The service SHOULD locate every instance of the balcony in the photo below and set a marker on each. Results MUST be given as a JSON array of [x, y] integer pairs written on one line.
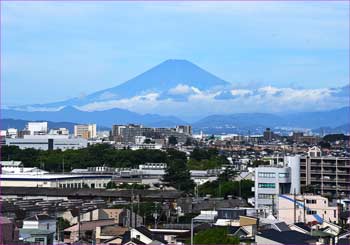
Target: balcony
[[343, 172], [329, 172], [330, 180], [328, 164]]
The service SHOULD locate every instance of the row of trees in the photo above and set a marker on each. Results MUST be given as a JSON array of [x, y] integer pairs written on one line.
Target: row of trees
[[177, 173], [95, 155]]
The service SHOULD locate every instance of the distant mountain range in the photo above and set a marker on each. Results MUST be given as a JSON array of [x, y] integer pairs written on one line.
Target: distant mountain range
[[102, 118], [20, 124], [332, 120]]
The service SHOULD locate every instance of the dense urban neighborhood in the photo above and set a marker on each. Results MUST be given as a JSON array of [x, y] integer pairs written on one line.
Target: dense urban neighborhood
[[144, 185]]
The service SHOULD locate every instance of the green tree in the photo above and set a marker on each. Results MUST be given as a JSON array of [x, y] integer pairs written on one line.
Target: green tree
[[217, 235], [188, 141], [228, 174], [172, 140], [62, 223], [178, 176], [257, 163], [221, 188], [111, 185]]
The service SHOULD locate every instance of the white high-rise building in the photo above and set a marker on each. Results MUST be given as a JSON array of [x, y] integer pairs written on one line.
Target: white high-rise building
[[272, 181], [37, 128]]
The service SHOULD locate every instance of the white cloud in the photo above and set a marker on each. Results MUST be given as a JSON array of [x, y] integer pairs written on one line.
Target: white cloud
[[267, 99], [180, 89], [241, 92]]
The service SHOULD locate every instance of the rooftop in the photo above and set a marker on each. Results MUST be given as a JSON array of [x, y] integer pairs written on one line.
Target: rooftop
[[287, 237]]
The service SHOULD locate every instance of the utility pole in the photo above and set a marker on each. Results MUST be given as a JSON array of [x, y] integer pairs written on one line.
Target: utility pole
[[295, 207], [304, 212], [79, 225], [132, 206]]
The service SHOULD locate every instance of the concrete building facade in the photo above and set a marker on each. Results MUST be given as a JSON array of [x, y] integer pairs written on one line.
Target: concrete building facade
[[305, 208], [86, 131], [325, 175]]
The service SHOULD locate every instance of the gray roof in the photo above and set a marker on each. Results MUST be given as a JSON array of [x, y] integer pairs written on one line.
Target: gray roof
[[287, 237], [84, 192], [35, 232], [39, 217], [282, 226]]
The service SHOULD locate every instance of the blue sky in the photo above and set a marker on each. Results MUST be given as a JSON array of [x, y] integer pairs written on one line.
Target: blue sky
[[58, 50]]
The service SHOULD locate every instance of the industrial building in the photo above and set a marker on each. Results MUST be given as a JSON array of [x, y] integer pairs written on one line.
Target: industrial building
[[47, 142], [55, 180]]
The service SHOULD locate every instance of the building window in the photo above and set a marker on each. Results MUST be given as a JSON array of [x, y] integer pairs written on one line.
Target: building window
[[335, 213], [266, 175], [311, 212], [283, 175], [265, 196], [267, 185], [311, 201]]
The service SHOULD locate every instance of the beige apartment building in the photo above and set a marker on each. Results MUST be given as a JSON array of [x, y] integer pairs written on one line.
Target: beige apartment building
[[86, 131], [327, 175]]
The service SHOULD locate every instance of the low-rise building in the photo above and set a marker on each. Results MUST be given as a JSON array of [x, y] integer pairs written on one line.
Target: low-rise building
[[305, 208], [41, 222]]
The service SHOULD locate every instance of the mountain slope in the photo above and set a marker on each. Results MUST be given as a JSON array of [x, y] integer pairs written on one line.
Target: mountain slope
[[159, 79]]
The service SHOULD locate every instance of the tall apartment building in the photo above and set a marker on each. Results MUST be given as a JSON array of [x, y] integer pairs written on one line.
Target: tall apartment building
[[127, 133], [86, 131], [327, 175], [271, 181], [185, 129]]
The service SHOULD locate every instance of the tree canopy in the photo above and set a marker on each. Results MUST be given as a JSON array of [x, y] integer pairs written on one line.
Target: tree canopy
[[178, 175], [217, 235]]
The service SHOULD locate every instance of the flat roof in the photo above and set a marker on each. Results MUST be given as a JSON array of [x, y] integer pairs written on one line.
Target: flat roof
[[89, 193], [49, 177]]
